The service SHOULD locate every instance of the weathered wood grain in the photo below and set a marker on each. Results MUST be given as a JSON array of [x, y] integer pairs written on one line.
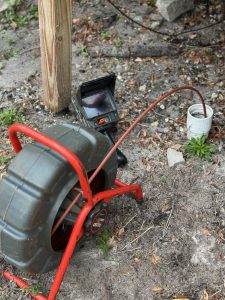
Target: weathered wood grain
[[55, 20]]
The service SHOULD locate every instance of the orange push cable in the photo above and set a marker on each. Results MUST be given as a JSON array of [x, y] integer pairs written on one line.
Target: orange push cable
[[124, 135]]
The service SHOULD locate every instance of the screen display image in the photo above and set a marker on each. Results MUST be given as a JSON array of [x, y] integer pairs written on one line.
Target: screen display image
[[97, 104]]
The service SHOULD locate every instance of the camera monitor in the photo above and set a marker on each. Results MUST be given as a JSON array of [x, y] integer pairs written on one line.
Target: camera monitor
[[95, 104]]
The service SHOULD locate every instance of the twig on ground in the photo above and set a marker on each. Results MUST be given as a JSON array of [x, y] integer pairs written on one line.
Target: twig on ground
[[139, 236], [143, 125], [134, 180], [168, 220], [142, 225], [161, 115], [30, 49], [138, 230], [211, 296], [129, 221], [128, 250]]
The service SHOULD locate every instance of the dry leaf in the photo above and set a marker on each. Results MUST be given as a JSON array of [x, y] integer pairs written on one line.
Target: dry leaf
[[77, 21], [144, 132], [151, 60], [111, 242], [121, 231], [206, 232], [132, 83], [148, 168], [155, 259], [2, 174], [197, 61], [166, 208], [205, 295], [176, 146], [220, 235], [157, 289], [193, 36], [123, 114], [208, 59]]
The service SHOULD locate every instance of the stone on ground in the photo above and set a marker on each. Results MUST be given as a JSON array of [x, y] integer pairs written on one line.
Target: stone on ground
[[174, 157], [172, 9], [5, 4]]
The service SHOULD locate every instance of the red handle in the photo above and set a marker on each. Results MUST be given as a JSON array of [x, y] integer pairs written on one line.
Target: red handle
[[59, 148]]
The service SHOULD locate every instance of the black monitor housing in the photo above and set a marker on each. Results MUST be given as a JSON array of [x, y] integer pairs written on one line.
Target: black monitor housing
[[95, 107], [95, 103]]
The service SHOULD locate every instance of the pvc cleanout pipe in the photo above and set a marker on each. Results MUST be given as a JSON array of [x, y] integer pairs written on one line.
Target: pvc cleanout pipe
[[197, 124]]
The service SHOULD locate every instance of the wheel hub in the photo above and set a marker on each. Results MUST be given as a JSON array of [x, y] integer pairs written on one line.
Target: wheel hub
[[97, 219]]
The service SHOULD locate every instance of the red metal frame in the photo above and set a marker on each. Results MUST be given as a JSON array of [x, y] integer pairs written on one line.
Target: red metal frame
[[77, 232]]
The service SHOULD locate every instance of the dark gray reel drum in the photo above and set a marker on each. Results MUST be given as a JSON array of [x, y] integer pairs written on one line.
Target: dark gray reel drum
[[36, 190]]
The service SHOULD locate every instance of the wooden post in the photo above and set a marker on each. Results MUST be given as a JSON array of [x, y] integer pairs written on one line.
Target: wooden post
[[55, 21]]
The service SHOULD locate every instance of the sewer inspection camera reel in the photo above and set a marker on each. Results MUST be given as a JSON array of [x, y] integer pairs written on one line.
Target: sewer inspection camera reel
[[57, 190], [51, 197]]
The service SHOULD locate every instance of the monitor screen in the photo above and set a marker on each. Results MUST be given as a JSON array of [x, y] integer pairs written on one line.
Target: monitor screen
[[97, 104]]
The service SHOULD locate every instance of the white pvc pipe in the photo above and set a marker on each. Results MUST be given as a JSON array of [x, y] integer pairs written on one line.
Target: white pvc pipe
[[197, 124]]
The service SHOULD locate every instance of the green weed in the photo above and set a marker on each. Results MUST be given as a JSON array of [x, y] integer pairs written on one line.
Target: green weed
[[84, 51], [4, 159], [113, 62], [118, 42], [102, 240], [106, 36], [10, 40], [200, 148], [10, 53], [12, 18], [32, 289], [10, 116]]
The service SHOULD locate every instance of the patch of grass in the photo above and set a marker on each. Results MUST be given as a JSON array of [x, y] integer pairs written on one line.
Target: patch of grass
[[84, 51], [11, 17], [106, 36], [113, 62], [102, 240], [199, 147], [10, 53], [10, 40], [10, 116], [118, 42], [4, 159], [32, 289]]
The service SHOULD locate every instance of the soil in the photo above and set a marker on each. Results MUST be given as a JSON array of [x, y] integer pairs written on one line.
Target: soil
[[173, 245]]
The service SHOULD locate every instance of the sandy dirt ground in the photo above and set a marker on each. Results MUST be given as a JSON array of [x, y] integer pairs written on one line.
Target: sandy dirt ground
[[173, 245]]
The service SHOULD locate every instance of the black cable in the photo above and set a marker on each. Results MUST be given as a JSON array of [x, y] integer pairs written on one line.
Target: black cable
[[159, 32], [136, 22]]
